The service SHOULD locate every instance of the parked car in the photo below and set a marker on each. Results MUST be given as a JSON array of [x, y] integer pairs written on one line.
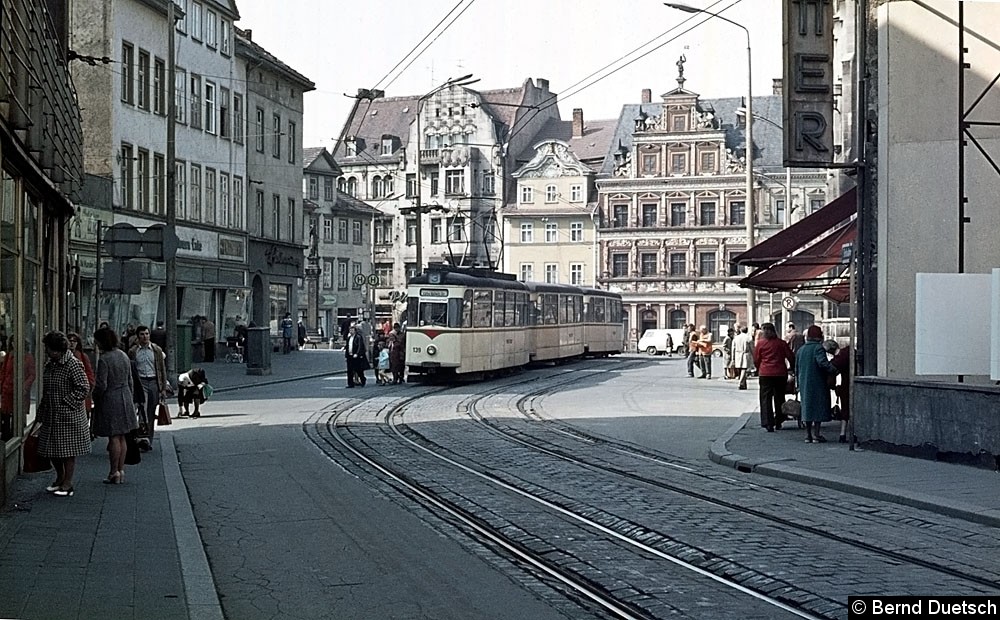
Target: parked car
[[661, 341]]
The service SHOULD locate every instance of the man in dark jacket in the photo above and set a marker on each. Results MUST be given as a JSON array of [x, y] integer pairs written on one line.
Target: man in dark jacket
[[357, 358]]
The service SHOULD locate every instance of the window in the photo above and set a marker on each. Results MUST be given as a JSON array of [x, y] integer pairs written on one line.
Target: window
[[411, 185], [225, 40], [352, 186], [733, 267], [236, 216], [576, 193], [210, 196], [327, 229], [576, 231], [276, 136], [225, 204], [291, 142], [576, 274], [737, 213], [127, 178], [677, 319], [259, 129], [383, 232], [384, 273], [238, 118], [551, 232], [649, 164], [259, 213], [527, 272], [342, 230], [551, 193], [195, 100], [434, 184], [224, 120], [378, 187], [195, 213], [619, 265], [355, 271], [647, 264], [211, 29], [342, 275], [489, 183], [352, 148], [678, 163], [142, 181], [180, 95], [182, 23], [290, 224], [706, 264], [142, 81], [159, 77], [815, 204], [210, 107], [527, 232], [194, 21], [620, 216], [706, 213], [456, 228], [436, 229], [180, 189], [275, 216], [411, 232], [356, 232], [159, 183], [527, 194], [678, 213], [678, 264], [327, 274], [128, 67], [551, 273], [313, 188], [707, 162], [779, 212], [678, 122], [386, 146], [454, 181], [648, 215]]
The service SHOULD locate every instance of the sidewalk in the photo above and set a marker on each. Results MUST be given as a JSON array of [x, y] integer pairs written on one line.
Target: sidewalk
[[958, 491]]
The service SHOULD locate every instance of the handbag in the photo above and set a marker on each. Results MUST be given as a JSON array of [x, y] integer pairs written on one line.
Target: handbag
[[792, 408], [836, 412], [33, 463], [163, 415], [132, 454]]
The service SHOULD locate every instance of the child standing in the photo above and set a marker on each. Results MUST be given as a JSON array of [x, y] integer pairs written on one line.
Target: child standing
[[383, 365]]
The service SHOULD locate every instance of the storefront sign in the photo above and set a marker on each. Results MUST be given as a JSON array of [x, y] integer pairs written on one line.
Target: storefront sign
[[277, 256], [808, 83], [232, 248]]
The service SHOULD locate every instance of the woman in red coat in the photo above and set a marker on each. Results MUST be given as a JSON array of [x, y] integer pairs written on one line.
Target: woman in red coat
[[773, 358]]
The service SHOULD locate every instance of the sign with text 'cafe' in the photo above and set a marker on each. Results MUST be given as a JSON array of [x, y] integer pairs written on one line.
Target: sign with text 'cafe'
[[808, 83]]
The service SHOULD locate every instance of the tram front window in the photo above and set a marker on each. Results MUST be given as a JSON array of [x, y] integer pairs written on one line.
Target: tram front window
[[433, 313]]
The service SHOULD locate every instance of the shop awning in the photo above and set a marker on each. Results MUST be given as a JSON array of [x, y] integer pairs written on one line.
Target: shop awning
[[819, 266], [788, 241]]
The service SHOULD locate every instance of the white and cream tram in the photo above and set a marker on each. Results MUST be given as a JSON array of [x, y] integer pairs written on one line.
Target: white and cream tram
[[478, 322]]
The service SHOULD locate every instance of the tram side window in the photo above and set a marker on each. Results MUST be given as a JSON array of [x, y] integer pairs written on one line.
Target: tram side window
[[467, 309], [565, 309], [498, 300], [482, 309], [597, 305], [412, 307], [550, 308], [520, 309], [577, 308], [509, 318], [433, 313], [455, 310]]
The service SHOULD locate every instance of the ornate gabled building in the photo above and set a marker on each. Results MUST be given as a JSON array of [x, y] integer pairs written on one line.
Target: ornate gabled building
[[550, 227], [672, 206]]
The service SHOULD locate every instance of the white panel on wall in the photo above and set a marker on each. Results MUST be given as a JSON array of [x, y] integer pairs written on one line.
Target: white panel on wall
[[995, 328], [953, 318]]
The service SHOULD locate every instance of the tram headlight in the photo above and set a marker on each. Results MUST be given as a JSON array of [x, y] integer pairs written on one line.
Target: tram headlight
[[431, 350]]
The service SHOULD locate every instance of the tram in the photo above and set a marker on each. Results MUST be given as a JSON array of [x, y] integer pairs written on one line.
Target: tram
[[478, 322]]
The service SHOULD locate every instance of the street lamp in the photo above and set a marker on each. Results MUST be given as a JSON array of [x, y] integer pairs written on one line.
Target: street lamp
[[750, 210], [465, 80]]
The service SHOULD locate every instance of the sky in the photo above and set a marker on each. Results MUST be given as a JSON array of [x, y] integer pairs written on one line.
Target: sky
[[343, 46]]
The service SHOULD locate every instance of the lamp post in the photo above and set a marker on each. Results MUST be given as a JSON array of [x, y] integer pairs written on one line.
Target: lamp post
[[465, 80], [750, 211]]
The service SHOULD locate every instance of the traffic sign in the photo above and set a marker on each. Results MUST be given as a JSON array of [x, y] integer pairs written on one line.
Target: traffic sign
[[360, 278], [789, 303], [373, 280]]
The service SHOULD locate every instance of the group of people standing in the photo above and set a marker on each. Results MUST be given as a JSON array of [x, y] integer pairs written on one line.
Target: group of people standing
[[388, 355]]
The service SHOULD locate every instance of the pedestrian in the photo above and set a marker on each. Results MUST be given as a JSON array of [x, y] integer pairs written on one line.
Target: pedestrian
[[357, 358], [158, 335], [841, 361], [397, 352], [727, 354], [151, 368], [301, 333], [705, 350], [774, 360], [287, 327], [77, 348], [127, 337], [208, 338], [743, 355], [191, 391], [115, 413], [691, 337], [794, 339], [812, 368], [65, 430], [383, 364]]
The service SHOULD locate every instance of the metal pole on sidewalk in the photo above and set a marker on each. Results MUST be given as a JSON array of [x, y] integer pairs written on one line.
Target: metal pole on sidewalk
[[170, 316]]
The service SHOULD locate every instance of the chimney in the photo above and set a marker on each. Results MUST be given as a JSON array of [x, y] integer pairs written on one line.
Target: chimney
[[647, 95], [248, 34], [776, 86], [577, 122], [543, 84]]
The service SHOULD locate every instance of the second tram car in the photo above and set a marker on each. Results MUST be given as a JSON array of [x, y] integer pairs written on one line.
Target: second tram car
[[478, 322]]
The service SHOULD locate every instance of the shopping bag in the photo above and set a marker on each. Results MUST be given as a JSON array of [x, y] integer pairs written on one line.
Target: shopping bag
[[163, 415], [33, 463], [132, 455], [792, 409]]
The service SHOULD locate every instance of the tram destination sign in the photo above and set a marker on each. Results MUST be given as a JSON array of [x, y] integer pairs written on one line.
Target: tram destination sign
[[808, 83]]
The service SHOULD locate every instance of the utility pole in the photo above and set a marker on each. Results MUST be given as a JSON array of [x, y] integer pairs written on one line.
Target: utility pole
[[171, 197]]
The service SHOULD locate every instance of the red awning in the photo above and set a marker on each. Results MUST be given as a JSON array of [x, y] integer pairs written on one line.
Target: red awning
[[818, 266], [786, 242]]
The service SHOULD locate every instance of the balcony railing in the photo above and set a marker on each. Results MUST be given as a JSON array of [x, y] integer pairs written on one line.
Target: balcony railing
[[430, 156]]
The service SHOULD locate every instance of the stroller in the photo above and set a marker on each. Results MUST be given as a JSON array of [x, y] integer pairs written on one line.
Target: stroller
[[234, 350]]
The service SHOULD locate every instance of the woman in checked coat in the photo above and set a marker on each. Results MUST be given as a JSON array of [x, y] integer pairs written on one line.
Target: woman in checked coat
[[65, 431]]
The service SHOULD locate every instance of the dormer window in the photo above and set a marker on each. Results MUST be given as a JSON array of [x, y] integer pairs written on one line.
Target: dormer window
[[387, 146], [352, 148], [678, 122]]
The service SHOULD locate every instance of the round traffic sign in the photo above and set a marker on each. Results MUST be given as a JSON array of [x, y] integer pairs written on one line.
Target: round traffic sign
[[359, 278], [373, 280], [789, 303]]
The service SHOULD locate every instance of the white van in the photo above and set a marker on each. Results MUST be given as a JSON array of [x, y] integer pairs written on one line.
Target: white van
[[660, 341]]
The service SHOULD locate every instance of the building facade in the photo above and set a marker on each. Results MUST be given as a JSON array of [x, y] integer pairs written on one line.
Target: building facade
[[276, 222], [41, 177]]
